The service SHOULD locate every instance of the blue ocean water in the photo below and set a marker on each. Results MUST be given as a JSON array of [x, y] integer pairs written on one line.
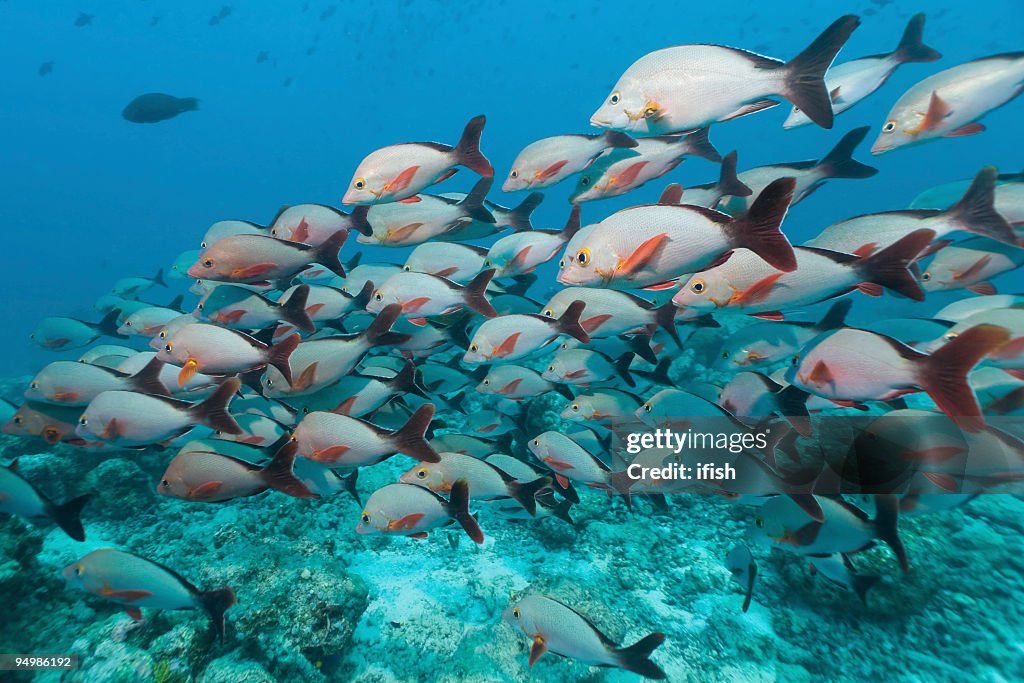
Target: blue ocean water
[[89, 197]]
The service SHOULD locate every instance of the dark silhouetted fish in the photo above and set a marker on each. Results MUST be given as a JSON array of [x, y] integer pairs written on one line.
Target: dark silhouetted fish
[[45, 68], [262, 56], [83, 19], [155, 107]]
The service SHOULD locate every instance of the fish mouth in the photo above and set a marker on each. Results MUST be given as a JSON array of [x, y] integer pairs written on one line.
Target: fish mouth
[[879, 149], [599, 123]]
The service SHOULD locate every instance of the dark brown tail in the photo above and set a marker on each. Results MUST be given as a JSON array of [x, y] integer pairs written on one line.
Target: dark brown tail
[[358, 222], [406, 380], [805, 73], [474, 294], [68, 516], [569, 323], [622, 364], [213, 412], [912, 47], [665, 317], [159, 278], [519, 218], [525, 493], [216, 603], [758, 229], [279, 473], [835, 316], [458, 508], [410, 438], [943, 374], [327, 253], [108, 324], [699, 144], [360, 300], [839, 163], [728, 182], [473, 203], [673, 194], [294, 310], [976, 211], [572, 224], [637, 657], [147, 380], [278, 355], [887, 515], [890, 267], [379, 332], [467, 152]]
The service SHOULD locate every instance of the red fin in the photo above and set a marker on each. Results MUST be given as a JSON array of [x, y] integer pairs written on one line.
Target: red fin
[[306, 378], [511, 386], [537, 650], [865, 249], [558, 464], [1010, 350], [487, 429], [628, 177], [126, 595], [969, 129], [445, 176], [314, 309], [402, 233], [518, 261], [768, 315], [401, 181], [562, 481], [418, 322], [406, 523], [870, 288], [419, 535], [576, 374], [331, 453], [345, 407], [975, 268], [938, 110], [943, 481], [551, 170], [507, 346], [447, 272], [301, 231], [111, 431], [415, 199], [203, 489], [660, 286], [251, 271], [188, 371], [230, 318], [413, 305], [134, 612], [756, 292], [594, 322], [983, 288], [642, 255], [820, 374]]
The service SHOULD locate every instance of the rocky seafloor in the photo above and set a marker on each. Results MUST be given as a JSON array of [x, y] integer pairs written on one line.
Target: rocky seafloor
[[316, 602]]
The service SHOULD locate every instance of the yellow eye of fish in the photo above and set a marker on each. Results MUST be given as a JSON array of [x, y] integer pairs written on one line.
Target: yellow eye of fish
[[549, 313], [378, 296], [561, 263], [647, 407], [697, 286], [583, 256], [487, 263], [514, 173], [82, 421], [516, 613], [200, 307], [406, 268], [79, 570], [950, 336], [474, 348], [421, 473], [365, 517], [168, 347], [34, 385], [359, 184], [207, 263], [926, 276], [614, 99], [575, 407], [889, 127]]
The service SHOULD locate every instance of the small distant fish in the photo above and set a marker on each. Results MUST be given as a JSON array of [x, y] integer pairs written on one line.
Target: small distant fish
[[314, 223], [457, 262], [224, 13], [240, 308], [549, 161], [72, 383], [222, 229], [83, 19], [154, 21], [342, 441], [409, 510], [838, 569], [399, 172], [132, 287], [709, 195], [610, 312], [514, 382], [952, 102], [521, 252], [970, 265], [19, 497], [262, 56], [328, 13], [213, 471], [511, 337], [46, 68], [127, 418], [52, 423], [683, 88], [740, 563], [135, 582], [256, 258], [421, 296], [201, 347], [850, 82], [155, 107], [555, 627], [425, 217], [71, 333]]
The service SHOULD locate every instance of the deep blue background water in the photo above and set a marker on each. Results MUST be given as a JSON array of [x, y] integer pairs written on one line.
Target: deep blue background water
[[88, 197]]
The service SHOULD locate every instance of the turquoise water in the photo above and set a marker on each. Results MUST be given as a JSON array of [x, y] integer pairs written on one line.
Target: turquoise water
[[291, 97]]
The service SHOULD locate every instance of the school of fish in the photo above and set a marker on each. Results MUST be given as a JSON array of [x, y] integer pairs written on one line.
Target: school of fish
[[296, 368]]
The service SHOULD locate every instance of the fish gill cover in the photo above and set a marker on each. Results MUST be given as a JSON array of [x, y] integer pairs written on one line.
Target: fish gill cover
[[312, 372]]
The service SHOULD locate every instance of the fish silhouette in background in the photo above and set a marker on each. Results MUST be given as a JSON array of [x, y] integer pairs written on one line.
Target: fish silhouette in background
[[46, 68], [84, 19], [155, 107]]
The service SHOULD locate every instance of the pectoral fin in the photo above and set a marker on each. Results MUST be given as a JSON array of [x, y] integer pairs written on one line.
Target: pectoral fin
[[643, 255]]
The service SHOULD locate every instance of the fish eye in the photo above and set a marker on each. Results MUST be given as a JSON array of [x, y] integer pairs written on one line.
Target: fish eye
[[421, 473], [203, 244], [487, 382], [725, 354], [163, 334], [583, 256], [207, 263], [584, 180], [128, 323], [166, 484], [474, 348], [34, 385], [549, 313], [536, 442], [18, 419], [950, 336], [889, 127], [487, 263], [365, 517], [359, 184], [795, 360], [305, 410], [926, 276], [565, 346], [407, 268], [168, 347], [200, 306], [551, 368], [698, 286], [615, 98], [83, 421], [575, 407], [79, 570], [561, 263], [513, 174], [516, 613], [647, 407], [759, 522], [377, 296], [270, 382]]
